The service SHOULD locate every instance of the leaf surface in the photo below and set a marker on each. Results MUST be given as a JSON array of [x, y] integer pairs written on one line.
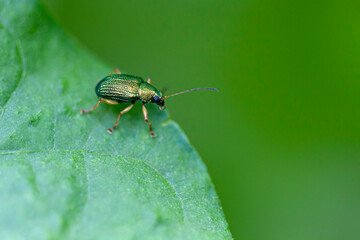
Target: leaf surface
[[62, 176]]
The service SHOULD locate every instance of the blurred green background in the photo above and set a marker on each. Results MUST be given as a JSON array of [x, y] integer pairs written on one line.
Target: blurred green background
[[282, 138]]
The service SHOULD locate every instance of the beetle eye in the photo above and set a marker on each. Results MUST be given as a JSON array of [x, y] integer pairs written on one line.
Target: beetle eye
[[156, 98]]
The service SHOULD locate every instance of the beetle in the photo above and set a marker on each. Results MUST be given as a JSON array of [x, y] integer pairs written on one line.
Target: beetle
[[118, 88]]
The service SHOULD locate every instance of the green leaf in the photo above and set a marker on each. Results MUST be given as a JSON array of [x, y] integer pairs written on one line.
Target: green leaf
[[62, 176]]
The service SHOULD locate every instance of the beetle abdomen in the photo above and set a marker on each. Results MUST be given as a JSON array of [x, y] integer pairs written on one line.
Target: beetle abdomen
[[119, 87]]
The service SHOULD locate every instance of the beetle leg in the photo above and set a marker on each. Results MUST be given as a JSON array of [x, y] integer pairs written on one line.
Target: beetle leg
[[83, 111], [149, 81], [146, 120], [117, 71], [110, 130], [111, 102]]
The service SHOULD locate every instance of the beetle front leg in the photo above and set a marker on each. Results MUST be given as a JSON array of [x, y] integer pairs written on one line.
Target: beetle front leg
[[149, 81], [146, 120], [110, 130], [83, 111]]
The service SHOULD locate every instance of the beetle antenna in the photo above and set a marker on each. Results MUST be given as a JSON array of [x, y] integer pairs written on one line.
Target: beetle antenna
[[190, 90]]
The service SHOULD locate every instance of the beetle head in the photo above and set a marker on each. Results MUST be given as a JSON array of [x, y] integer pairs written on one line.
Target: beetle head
[[159, 100]]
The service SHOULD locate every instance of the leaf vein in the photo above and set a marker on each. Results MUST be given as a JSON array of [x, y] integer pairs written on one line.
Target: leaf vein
[[20, 53], [104, 153], [170, 184], [91, 132]]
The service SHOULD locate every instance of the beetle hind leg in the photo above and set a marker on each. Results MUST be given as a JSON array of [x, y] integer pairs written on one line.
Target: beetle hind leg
[[117, 71], [112, 102]]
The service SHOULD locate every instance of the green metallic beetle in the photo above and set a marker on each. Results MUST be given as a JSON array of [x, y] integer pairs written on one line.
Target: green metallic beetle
[[117, 88]]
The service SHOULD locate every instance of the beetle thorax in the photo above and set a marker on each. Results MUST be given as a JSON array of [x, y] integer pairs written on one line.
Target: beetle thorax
[[146, 92]]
